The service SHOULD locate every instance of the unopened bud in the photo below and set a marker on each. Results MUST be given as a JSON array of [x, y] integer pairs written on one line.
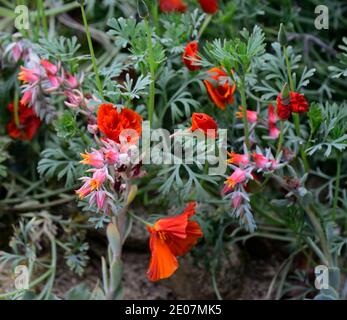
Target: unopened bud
[[282, 36]]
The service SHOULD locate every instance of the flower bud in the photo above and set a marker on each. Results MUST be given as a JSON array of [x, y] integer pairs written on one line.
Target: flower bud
[[282, 36]]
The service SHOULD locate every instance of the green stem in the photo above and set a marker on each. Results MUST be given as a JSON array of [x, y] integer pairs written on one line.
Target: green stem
[[205, 25], [50, 283], [337, 184], [91, 50], [321, 235], [15, 108], [244, 112], [139, 219], [215, 286], [280, 140], [151, 100], [289, 69], [155, 15], [58, 10], [83, 137], [42, 14], [295, 115]]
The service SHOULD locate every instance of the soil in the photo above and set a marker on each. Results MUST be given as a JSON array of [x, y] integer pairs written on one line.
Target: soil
[[243, 274], [254, 282]]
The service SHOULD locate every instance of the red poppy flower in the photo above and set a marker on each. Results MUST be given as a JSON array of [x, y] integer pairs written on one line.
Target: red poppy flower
[[205, 123], [298, 103], [209, 6], [220, 92], [283, 108], [111, 122], [172, 5], [190, 56], [29, 123], [171, 237]]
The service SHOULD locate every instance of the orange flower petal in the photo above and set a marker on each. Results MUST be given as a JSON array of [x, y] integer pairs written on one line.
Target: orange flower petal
[[163, 263], [174, 225], [214, 95], [180, 247]]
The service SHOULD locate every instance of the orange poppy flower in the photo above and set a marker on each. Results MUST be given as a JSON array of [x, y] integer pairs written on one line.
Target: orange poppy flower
[[220, 93], [190, 56], [172, 5], [171, 237], [209, 6], [111, 122], [205, 123]]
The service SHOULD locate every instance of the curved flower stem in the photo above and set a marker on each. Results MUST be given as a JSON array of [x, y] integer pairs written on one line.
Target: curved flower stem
[[91, 50], [244, 112], [337, 184], [295, 115], [215, 286], [151, 63]]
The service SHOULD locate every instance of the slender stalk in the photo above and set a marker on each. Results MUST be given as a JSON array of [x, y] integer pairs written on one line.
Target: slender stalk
[[295, 115], [215, 286], [139, 218], [42, 14], [289, 69], [58, 10], [280, 140], [91, 50], [337, 184], [155, 15], [151, 62], [53, 267], [321, 235], [83, 137], [205, 24], [15, 108], [244, 112]]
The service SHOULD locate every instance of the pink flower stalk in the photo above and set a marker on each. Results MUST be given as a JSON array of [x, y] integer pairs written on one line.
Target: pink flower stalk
[[111, 152], [94, 158], [261, 161], [238, 159], [272, 118], [100, 197], [17, 51], [70, 80], [74, 97], [274, 164], [98, 179], [111, 156], [93, 128], [29, 75], [26, 98], [252, 116], [54, 81], [50, 68], [274, 132], [236, 199], [238, 176], [85, 190]]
